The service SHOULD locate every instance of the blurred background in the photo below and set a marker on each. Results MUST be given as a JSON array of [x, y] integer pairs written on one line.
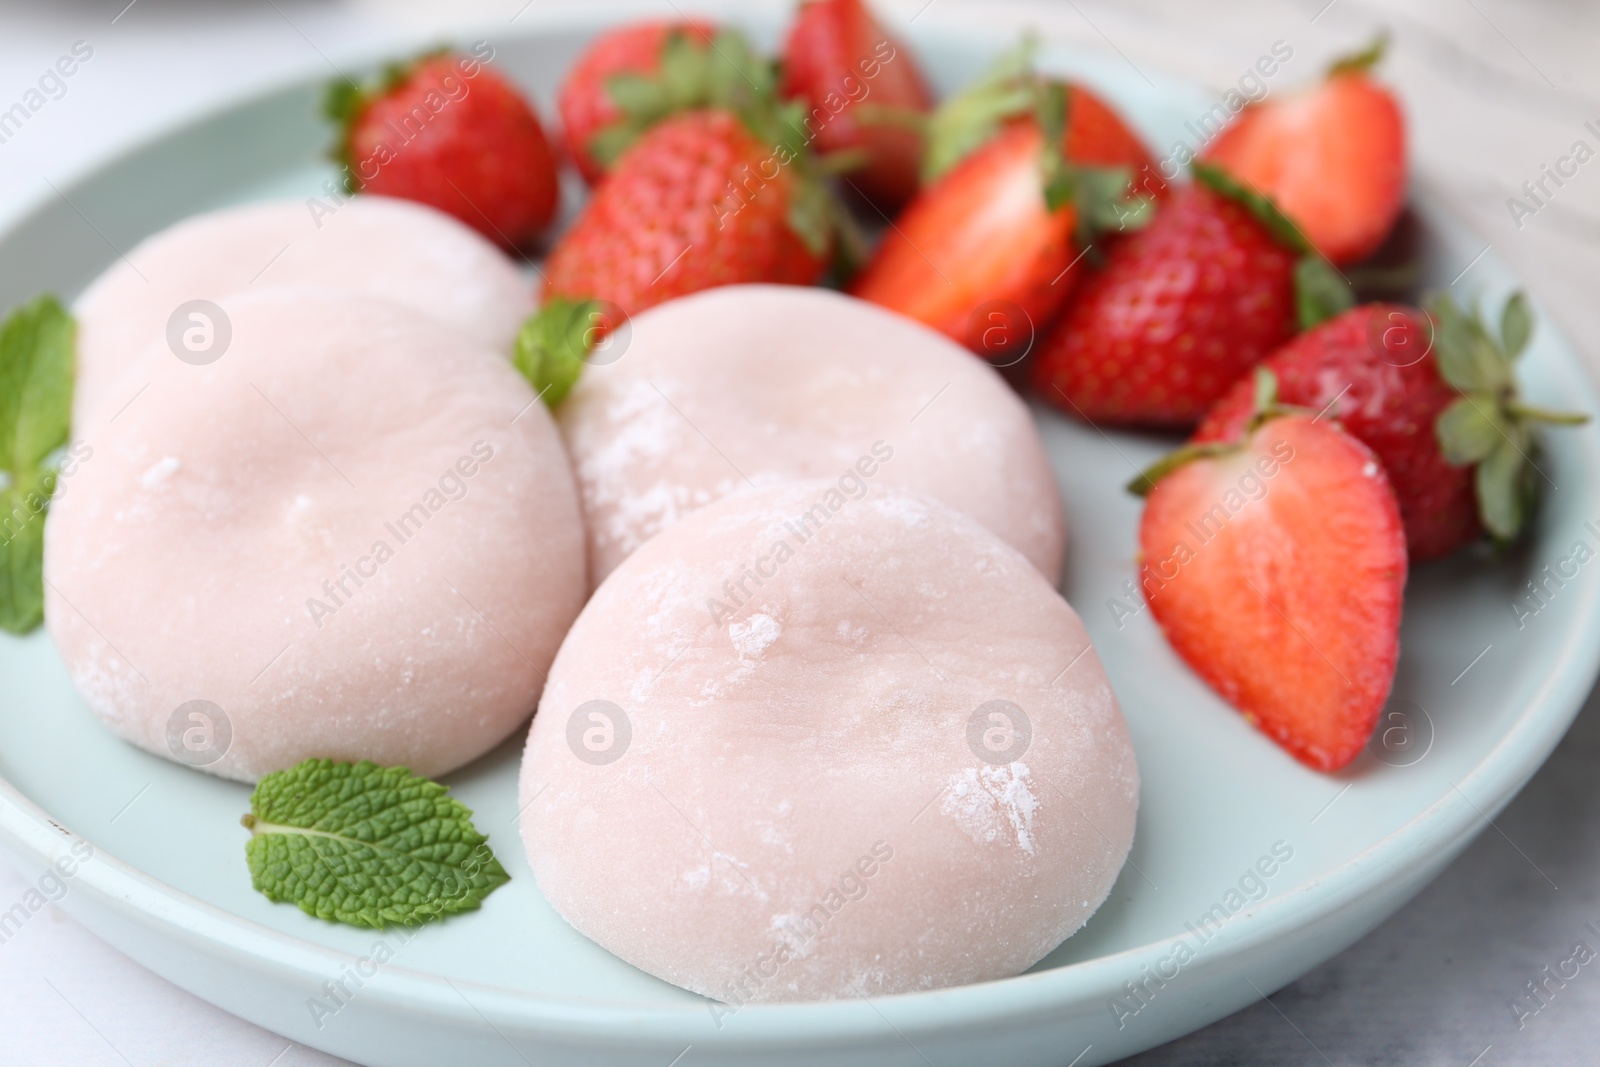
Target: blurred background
[[1495, 90]]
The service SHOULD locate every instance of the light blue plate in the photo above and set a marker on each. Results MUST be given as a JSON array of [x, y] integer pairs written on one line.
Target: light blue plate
[[1483, 702]]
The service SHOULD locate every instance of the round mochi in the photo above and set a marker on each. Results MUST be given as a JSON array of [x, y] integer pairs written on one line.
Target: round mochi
[[748, 385], [374, 245], [892, 762], [356, 535]]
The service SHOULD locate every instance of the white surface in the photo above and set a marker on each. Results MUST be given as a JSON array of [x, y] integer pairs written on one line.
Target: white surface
[[1494, 91]]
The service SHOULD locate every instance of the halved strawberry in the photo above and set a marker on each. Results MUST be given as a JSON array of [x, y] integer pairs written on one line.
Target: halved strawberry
[[628, 79], [1276, 568], [1214, 284], [1026, 174], [447, 131], [838, 58], [1332, 158]]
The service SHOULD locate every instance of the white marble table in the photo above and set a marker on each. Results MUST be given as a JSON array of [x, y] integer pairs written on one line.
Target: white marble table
[[1494, 89]]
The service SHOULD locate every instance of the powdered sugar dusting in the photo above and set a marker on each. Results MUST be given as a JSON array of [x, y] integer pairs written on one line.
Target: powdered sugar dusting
[[752, 638], [985, 801]]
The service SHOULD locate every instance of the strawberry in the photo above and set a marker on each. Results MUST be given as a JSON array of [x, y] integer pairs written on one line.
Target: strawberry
[[1385, 373], [628, 79], [1276, 567], [837, 57], [689, 207], [1332, 158], [1024, 175], [447, 131], [1214, 284]]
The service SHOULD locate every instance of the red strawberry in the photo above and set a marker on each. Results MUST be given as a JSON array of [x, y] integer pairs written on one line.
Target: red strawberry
[[1380, 370], [688, 207], [1182, 309], [837, 57], [1332, 158], [990, 249], [628, 61], [449, 132], [1276, 570], [677, 216]]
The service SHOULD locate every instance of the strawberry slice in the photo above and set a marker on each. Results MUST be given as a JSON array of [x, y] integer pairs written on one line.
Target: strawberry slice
[[1024, 174], [1276, 568], [1333, 158]]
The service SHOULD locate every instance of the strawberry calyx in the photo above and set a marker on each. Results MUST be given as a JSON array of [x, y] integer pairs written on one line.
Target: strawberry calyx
[[1363, 61], [724, 73], [1011, 89], [695, 72], [1489, 427], [344, 102], [1321, 291], [1265, 408]]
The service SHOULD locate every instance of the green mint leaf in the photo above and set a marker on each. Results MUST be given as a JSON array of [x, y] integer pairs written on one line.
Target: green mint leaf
[[1468, 430], [1516, 325], [366, 845], [36, 368], [552, 344], [36, 374], [1320, 291], [22, 508]]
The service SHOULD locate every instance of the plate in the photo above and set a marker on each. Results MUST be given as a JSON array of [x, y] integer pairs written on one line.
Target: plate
[[1247, 870]]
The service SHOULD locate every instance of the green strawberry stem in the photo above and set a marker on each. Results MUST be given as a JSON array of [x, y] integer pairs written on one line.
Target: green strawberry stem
[[1364, 60]]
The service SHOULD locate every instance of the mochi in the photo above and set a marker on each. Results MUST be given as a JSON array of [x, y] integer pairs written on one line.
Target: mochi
[[747, 385], [874, 757], [375, 245], [354, 536]]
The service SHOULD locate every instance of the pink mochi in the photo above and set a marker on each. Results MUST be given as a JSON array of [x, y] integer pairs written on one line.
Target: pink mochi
[[871, 754], [356, 534], [747, 385], [372, 245]]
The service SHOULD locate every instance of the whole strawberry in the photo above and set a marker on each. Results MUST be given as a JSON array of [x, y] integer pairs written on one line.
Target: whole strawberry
[[688, 207], [1183, 308], [676, 217], [628, 79], [841, 64], [1433, 403], [1022, 176], [449, 132]]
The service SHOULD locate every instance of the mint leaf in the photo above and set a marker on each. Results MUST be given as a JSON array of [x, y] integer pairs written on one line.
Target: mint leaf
[[552, 344], [36, 352], [36, 369], [22, 554], [366, 845]]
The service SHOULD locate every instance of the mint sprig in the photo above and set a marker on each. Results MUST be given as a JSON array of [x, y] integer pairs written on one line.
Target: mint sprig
[[366, 845], [36, 371]]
